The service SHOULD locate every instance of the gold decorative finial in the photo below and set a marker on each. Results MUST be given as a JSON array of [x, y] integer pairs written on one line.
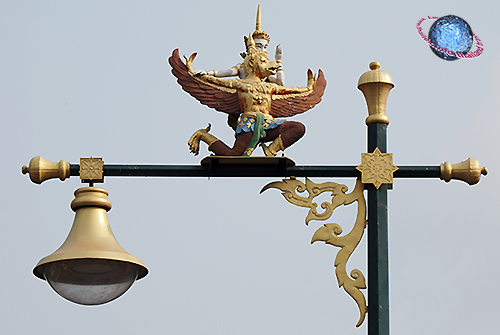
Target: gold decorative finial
[[258, 24], [259, 33], [375, 85], [41, 170], [374, 65], [469, 171]]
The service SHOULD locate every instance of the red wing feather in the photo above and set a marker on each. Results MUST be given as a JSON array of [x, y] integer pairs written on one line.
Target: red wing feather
[[296, 105], [207, 95]]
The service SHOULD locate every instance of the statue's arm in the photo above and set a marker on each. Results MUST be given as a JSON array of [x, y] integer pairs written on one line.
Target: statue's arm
[[282, 90], [221, 73], [227, 72], [279, 77], [218, 82]]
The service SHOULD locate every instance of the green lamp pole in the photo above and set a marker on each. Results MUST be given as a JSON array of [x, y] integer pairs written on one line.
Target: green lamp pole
[[378, 252], [376, 85]]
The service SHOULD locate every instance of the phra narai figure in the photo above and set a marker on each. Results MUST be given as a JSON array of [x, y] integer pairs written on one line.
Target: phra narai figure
[[257, 105], [261, 39]]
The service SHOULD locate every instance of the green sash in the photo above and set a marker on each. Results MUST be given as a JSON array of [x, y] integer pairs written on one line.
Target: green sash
[[258, 133]]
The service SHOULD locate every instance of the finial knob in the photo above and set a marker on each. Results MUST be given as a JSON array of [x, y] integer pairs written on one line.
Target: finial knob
[[40, 170], [374, 66], [375, 85], [469, 171]]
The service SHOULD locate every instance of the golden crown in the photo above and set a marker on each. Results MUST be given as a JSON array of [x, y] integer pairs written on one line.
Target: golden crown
[[259, 33]]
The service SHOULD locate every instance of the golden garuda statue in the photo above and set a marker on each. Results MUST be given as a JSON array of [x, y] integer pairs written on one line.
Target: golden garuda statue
[[255, 107]]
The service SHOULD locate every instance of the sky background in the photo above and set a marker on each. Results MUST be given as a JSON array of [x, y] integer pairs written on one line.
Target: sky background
[[91, 78]]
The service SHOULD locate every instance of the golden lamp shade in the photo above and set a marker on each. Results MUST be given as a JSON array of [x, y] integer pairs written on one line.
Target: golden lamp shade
[[90, 267], [376, 85]]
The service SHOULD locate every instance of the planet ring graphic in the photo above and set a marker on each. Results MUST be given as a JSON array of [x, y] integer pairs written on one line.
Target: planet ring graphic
[[451, 28]]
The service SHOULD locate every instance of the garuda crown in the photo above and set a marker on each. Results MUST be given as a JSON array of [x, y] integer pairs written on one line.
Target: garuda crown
[[259, 33]]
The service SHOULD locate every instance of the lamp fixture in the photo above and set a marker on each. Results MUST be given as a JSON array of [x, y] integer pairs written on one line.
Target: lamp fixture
[[90, 267]]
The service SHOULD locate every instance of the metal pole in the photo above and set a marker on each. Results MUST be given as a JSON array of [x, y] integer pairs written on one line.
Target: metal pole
[[378, 255]]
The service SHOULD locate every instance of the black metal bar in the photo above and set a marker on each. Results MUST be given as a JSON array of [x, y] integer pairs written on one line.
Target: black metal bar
[[418, 172], [230, 171], [74, 170], [251, 171]]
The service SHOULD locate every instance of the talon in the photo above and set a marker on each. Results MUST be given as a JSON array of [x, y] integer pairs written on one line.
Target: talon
[[194, 140]]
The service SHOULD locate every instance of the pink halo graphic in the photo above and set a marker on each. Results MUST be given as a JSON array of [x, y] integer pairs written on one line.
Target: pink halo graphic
[[476, 53]]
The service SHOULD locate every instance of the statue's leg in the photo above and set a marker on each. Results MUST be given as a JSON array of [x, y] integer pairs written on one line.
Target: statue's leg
[[240, 144], [290, 131]]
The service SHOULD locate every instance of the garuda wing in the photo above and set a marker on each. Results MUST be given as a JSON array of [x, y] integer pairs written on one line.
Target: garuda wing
[[210, 95], [292, 104]]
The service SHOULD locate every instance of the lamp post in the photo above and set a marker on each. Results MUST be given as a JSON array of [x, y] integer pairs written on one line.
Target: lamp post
[[92, 268], [376, 85]]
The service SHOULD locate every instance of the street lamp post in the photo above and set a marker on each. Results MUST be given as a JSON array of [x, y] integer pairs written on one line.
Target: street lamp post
[[106, 263], [376, 85]]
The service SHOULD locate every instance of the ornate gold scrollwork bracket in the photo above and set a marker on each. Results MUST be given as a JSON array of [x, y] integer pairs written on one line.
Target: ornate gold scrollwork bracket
[[330, 232]]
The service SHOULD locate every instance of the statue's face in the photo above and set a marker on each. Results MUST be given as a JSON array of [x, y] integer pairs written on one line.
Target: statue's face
[[260, 44]]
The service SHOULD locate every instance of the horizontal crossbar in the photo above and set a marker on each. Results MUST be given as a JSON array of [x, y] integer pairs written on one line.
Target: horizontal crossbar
[[249, 170]]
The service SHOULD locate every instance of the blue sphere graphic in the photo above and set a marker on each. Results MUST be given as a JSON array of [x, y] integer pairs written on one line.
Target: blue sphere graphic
[[451, 33]]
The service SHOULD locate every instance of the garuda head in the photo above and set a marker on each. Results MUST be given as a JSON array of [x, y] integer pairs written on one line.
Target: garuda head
[[257, 62]]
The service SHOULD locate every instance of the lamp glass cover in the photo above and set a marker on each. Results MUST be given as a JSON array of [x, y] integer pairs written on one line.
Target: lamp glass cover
[[90, 281]]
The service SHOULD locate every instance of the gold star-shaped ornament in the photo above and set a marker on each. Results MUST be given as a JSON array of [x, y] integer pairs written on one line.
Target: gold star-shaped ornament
[[376, 168]]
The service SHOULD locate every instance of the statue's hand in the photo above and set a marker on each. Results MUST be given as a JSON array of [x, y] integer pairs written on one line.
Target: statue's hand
[[278, 56], [189, 62], [199, 72], [194, 140], [310, 78]]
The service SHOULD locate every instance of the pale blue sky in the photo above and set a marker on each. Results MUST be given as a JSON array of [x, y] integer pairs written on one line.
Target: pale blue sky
[[91, 78]]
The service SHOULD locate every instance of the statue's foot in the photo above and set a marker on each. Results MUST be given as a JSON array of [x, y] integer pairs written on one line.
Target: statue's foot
[[194, 140], [268, 151], [274, 147], [194, 144]]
